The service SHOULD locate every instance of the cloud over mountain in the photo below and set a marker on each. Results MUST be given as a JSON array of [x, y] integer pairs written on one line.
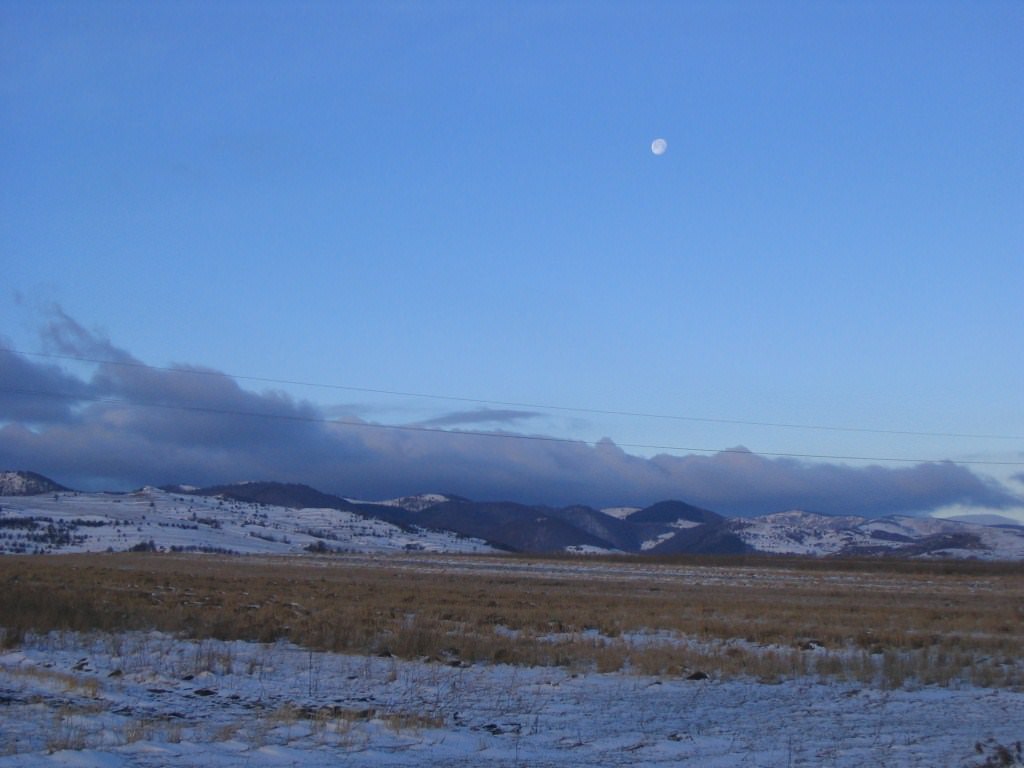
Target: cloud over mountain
[[480, 416], [122, 423]]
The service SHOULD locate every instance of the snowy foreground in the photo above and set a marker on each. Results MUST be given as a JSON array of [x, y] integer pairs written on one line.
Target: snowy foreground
[[148, 699]]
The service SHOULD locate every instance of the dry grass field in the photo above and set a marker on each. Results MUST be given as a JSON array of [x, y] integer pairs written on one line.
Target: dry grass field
[[876, 621]]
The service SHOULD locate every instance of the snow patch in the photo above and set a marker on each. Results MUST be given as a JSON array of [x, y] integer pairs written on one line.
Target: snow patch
[[621, 512], [652, 543]]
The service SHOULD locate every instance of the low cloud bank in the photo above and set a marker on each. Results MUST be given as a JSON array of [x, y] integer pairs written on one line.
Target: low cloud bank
[[124, 424]]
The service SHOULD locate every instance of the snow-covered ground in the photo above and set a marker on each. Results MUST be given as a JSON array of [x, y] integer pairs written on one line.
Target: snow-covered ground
[[147, 699]]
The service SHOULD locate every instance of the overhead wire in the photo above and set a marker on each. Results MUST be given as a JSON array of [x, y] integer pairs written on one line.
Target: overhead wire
[[514, 404], [479, 433]]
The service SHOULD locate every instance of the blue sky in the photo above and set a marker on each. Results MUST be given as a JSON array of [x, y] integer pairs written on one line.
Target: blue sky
[[459, 199]]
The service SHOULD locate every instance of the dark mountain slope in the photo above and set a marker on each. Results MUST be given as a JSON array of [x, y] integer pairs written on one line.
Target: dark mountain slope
[[668, 512], [708, 539], [619, 534], [508, 525]]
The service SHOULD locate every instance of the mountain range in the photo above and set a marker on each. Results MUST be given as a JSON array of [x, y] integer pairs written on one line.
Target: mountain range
[[40, 515]]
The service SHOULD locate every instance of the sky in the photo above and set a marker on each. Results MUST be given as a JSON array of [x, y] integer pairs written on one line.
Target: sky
[[393, 247]]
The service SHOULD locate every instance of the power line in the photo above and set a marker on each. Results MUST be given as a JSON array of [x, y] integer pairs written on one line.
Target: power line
[[478, 433], [516, 404]]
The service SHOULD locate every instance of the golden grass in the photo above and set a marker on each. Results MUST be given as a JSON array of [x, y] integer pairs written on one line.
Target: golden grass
[[873, 620]]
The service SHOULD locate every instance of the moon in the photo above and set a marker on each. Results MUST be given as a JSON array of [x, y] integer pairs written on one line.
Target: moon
[[658, 146]]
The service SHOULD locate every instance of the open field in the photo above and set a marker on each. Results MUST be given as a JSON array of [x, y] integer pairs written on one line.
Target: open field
[[875, 622], [407, 659]]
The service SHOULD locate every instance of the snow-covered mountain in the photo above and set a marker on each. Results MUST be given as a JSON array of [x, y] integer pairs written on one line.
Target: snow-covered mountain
[[22, 483], [38, 515], [805, 533], [152, 518]]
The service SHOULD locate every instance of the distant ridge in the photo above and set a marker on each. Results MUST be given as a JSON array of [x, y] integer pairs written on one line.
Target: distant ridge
[[40, 515], [291, 495]]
